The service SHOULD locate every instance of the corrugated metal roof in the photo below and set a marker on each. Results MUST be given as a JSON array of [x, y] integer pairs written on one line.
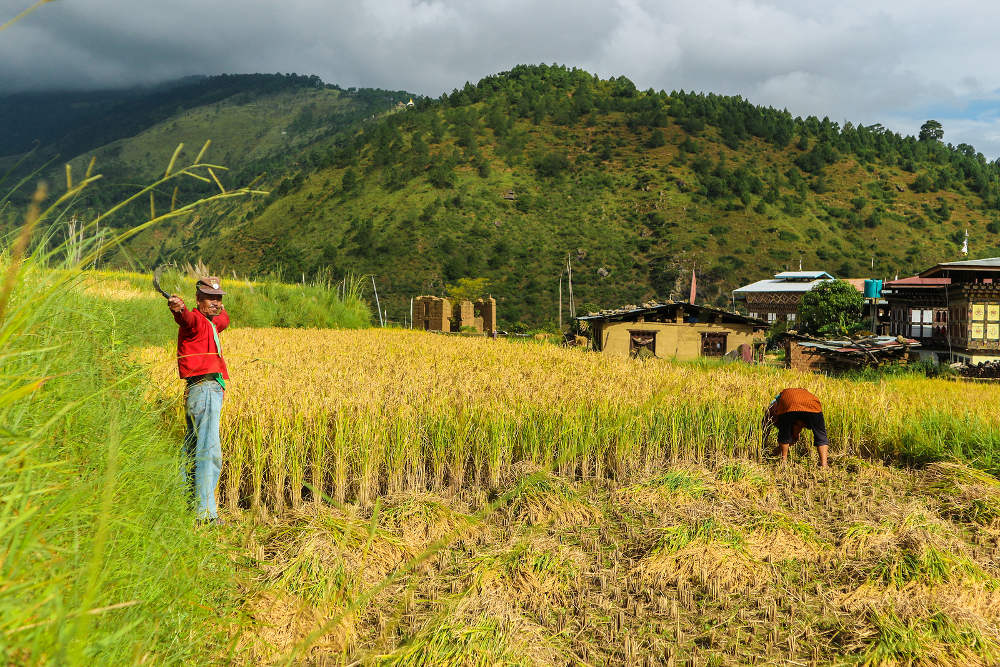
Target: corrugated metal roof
[[803, 274], [917, 281], [985, 264], [654, 306], [775, 285], [976, 263]]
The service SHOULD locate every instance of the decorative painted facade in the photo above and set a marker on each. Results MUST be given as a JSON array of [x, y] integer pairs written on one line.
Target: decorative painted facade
[[953, 309], [777, 299]]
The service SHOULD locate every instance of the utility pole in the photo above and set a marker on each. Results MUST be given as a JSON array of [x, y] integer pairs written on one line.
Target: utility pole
[[378, 307], [560, 300], [569, 272]]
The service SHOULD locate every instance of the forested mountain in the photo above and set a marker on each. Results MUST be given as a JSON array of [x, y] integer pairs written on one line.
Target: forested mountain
[[259, 124], [506, 178]]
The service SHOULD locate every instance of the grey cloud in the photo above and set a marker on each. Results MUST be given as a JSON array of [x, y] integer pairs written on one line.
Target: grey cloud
[[853, 60]]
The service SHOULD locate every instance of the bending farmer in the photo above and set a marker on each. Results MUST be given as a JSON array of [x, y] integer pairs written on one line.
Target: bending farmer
[[792, 410], [200, 363]]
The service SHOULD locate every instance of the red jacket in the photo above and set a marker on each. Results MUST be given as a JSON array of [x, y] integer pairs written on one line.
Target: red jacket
[[196, 350]]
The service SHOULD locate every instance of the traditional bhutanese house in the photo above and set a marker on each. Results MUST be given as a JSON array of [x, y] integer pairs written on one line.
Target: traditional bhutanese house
[[918, 308], [953, 309], [777, 299], [672, 330]]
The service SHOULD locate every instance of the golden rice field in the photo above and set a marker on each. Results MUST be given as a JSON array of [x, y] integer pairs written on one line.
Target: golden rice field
[[730, 563], [504, 503], [354, 415]]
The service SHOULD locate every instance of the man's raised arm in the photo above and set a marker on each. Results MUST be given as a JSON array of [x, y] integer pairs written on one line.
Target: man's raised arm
[[182, 315]]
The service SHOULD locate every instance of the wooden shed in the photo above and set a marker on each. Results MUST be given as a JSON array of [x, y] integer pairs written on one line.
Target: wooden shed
[[671, 330]]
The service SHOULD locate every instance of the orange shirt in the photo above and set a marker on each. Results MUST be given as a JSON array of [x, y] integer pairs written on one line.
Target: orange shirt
[[795, 400]]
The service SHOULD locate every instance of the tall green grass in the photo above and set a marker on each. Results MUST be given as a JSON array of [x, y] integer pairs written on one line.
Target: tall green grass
[[101, 559]]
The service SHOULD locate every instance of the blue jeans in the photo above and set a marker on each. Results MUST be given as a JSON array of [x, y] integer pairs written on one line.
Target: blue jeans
[[202, 445]]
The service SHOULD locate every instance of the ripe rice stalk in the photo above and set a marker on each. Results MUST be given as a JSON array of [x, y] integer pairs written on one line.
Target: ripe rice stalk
[[458, 451], [297, 458], [386, 410], [338, 458], [259, 440], [317, 443], [365, 443], [278, 461], [498, 442], [236, 449], [396, 454], [437, 438]]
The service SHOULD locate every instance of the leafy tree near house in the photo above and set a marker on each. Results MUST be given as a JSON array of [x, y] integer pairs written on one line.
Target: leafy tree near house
[[831, 308]]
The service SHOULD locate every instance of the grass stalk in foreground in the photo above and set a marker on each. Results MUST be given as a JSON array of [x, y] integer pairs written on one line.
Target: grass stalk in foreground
[[100, 559]]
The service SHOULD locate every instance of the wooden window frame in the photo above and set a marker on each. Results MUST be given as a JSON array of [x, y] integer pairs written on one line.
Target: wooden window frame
[[707, 336], [633, 350]]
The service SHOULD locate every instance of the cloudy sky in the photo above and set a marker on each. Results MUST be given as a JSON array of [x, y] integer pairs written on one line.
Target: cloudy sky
[[897, 62]]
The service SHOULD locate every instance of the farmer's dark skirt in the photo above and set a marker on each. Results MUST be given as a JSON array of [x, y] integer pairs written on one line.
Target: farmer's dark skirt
[[791, 423]]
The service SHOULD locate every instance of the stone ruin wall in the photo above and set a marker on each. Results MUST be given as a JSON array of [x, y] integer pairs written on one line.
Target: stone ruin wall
[[434, 313], [431, 313]]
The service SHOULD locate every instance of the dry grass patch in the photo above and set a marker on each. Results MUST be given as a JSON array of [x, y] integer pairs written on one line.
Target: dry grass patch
[[782, 565], [537, 496], [474, 630], [882, 637], [778, 536], [113, 289], [324, 555], [744, 478], [666, 490], [422, 518], [700, 550], [910, 544], [280, 623], [964, 494], [536, 570]]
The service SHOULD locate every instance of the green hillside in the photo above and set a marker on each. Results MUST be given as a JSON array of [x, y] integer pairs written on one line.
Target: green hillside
[[258, 123], [68, 123], [636, 187]]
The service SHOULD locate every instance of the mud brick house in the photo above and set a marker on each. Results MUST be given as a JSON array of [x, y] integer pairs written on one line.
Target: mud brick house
[[671, 330], [434, 313], [777, 299], [953, 309]]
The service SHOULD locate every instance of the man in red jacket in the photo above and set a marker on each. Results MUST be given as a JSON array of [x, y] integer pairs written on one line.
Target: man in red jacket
[[791, 411], [200, 364]]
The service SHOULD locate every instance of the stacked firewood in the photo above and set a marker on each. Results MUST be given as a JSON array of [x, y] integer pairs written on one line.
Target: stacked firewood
[[984, 369]]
